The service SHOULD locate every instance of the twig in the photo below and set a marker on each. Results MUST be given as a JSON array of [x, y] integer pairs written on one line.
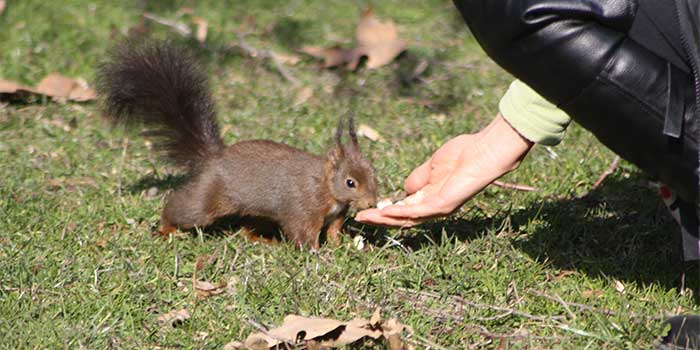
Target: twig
[[565, 306], [607, 172], [179, 27], [30, 291], [584, 307], [459, 301], [428, 342], [267, 54], [601, 178], [513, 336], [516, 187], [506, 309]]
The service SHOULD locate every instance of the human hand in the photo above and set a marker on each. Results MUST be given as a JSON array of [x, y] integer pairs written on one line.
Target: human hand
[[457, 171]]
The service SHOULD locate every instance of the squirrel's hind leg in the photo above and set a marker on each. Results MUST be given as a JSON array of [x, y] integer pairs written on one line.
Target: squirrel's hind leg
[[198, 204]]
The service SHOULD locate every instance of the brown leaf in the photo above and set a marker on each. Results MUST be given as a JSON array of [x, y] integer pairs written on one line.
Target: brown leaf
[[174, 318], [179, 27], [354, 331], [323, 332], [303, 95], [287, 59], [392, 332], [379, 41], [71, 184], [591, 293], [54, 85], [619, 286], [234, 345], [332, 56], [439, 117], [367, 131], [201, 30], [376, 317], [204, 289], [565, 273], [11, 87], [137, 30], [201, 262]]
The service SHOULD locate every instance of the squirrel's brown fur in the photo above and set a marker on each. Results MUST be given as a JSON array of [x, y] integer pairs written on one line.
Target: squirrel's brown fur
[[161, 85]]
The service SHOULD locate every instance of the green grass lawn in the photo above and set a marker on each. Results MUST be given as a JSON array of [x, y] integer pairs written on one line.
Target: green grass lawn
[[512, 270]]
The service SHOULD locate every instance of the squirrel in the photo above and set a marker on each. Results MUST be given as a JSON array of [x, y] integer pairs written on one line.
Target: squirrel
[[161, 85]]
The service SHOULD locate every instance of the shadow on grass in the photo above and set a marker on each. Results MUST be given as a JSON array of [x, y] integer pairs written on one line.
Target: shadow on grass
[[168, 182], [618, 230]]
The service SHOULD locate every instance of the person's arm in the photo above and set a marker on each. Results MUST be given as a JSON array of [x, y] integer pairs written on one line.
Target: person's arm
[[465, 165]]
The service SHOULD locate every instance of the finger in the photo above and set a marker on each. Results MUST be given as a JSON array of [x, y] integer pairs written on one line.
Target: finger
[[428, 208], [375, 217], [419, 177]]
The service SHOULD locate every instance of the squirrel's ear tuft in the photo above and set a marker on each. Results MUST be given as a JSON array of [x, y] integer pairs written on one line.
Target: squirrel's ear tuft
[[339, 134], [354, 145]]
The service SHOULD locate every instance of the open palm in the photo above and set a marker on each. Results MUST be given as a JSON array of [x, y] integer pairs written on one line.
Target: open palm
[[457, 171]]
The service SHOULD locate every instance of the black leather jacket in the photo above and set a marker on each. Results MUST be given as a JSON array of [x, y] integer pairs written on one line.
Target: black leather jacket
[[579, 55]]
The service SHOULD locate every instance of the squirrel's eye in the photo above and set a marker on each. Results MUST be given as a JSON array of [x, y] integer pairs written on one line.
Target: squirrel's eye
[[350, 183]]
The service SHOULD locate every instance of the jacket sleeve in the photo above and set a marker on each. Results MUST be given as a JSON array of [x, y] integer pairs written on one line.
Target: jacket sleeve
[[532, 116]]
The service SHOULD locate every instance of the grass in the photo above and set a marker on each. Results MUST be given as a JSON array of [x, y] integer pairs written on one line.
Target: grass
[[79, 200]]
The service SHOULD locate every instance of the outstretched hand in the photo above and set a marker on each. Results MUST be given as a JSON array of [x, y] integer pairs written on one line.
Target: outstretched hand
[[457, 171]]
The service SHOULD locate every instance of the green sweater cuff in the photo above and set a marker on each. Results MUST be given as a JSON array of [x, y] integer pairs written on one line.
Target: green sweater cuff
[[532, 116]]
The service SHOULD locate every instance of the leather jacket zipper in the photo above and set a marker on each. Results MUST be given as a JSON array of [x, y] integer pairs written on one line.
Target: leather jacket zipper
[[693, 59]]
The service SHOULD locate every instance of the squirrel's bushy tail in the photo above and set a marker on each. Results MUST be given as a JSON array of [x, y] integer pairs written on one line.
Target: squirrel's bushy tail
[[162, 86]]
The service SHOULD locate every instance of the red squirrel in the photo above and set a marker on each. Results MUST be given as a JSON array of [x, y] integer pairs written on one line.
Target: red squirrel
[[161, 85]]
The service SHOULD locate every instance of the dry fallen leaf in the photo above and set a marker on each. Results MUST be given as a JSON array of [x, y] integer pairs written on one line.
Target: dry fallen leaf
[[287, 59], [440, 117], [378, 41], [332, 56], [234, 345], [201, 31], [59, 86], [392, 332], [376, 317], [367, 131], [56, 85], [204, 289], [323, 332], [591, 293], [53, 85], [201, 336], [619, 286], [565, 273], [174, 318], [11, 87], [179, 27], [303, 95], [359, 242]]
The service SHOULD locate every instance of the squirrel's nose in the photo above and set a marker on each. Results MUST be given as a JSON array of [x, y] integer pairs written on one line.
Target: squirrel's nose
[[371, 203]]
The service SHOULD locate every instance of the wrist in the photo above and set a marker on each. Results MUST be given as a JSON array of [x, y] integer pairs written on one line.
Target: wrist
[[504, 147]]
